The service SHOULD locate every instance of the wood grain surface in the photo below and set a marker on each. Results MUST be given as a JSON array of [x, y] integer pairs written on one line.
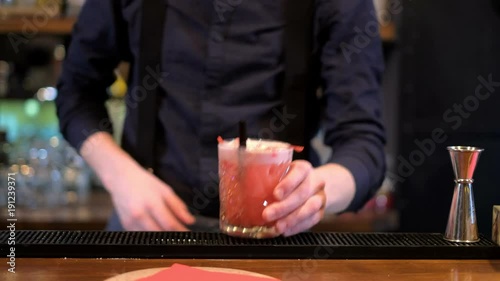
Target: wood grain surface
[[286, 270]]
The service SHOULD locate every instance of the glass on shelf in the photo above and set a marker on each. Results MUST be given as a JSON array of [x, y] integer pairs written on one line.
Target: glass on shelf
[[50, 173]]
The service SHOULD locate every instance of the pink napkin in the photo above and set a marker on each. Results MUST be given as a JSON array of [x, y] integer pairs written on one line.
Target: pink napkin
[[186, 273]]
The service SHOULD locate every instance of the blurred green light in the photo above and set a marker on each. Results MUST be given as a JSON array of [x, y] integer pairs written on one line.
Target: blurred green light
[[31, 108]]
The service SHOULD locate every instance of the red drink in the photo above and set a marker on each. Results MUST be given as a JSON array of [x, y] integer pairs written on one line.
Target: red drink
[[247, 181]]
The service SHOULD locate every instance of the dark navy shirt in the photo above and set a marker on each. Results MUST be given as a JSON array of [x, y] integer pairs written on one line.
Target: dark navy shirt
[[222, 61]]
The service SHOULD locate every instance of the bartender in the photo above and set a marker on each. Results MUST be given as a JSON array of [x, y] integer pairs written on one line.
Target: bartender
[[220, 62]]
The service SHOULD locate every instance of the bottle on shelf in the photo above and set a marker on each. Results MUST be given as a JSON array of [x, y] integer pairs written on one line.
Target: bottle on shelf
[[4, 78]]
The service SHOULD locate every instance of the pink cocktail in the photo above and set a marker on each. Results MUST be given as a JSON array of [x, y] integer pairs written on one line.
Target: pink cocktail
[[248, 177]]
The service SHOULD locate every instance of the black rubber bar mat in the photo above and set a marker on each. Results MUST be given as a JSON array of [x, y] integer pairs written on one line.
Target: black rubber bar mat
[[102, 244]]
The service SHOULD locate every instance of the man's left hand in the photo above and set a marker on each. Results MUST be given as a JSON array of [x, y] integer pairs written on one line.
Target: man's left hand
[[300, 201]]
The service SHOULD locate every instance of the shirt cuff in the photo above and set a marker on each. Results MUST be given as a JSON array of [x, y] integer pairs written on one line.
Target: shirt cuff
[[79, 130]]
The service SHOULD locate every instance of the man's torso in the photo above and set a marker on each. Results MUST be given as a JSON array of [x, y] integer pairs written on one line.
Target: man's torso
[[222, 61]]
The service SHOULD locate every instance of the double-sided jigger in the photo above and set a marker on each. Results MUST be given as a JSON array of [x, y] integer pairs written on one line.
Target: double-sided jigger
[[462, 224]]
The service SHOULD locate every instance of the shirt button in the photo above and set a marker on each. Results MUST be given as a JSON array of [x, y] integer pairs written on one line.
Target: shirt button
[[217, 36]]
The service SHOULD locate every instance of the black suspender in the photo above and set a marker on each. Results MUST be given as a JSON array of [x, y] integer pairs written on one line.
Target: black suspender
[[297, 89], [150, 54]]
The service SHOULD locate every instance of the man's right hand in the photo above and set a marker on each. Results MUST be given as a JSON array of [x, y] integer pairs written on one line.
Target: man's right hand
[[143, 202]]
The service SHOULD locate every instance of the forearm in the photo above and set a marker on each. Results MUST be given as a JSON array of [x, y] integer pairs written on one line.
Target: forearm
[[340, 187], [106, 158]]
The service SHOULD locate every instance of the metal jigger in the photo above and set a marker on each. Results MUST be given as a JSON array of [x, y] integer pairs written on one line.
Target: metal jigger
[[462, 224]]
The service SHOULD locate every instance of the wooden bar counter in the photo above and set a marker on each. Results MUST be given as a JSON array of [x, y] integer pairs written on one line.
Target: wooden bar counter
[[285, 270]]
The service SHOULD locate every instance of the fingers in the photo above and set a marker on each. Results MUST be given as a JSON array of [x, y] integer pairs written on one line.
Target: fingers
[[159, 210], [305, 217], [154, 216], [294, 201], [304, 225], [298, 172], [177, 206], [155, 208], [139, 222], [165, 219], [146, 223]]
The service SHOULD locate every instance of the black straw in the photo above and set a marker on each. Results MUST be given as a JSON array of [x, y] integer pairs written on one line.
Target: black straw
[[243, 134]]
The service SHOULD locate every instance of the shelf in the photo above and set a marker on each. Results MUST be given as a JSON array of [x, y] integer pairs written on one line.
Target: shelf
[[20, 25], [65, 26], [91, 215]]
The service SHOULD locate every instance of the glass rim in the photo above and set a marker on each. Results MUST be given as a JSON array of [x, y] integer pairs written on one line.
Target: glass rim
[[464, 148]]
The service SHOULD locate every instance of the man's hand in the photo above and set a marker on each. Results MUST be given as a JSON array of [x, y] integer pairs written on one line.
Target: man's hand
[[305, 193], [301, 200], [143, 201]]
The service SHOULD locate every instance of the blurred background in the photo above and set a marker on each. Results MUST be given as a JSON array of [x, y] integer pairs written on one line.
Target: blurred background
[[437, 55]]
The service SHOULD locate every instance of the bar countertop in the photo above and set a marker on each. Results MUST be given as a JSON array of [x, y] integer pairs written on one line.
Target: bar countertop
[[56, 269]]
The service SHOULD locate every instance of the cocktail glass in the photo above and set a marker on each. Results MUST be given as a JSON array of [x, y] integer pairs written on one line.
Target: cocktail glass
[[248, 176]]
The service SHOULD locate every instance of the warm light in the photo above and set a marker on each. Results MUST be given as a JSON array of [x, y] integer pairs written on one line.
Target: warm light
[[14, 168], [54, 141], [40, 94], [71, 197], [59, 52], [25, 170]]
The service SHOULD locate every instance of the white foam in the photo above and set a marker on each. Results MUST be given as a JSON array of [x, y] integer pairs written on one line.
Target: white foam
[[256, 145], [257, 150]]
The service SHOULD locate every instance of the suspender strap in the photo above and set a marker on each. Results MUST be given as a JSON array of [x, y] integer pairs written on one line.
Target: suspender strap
[[150, 53], [298, 90]]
